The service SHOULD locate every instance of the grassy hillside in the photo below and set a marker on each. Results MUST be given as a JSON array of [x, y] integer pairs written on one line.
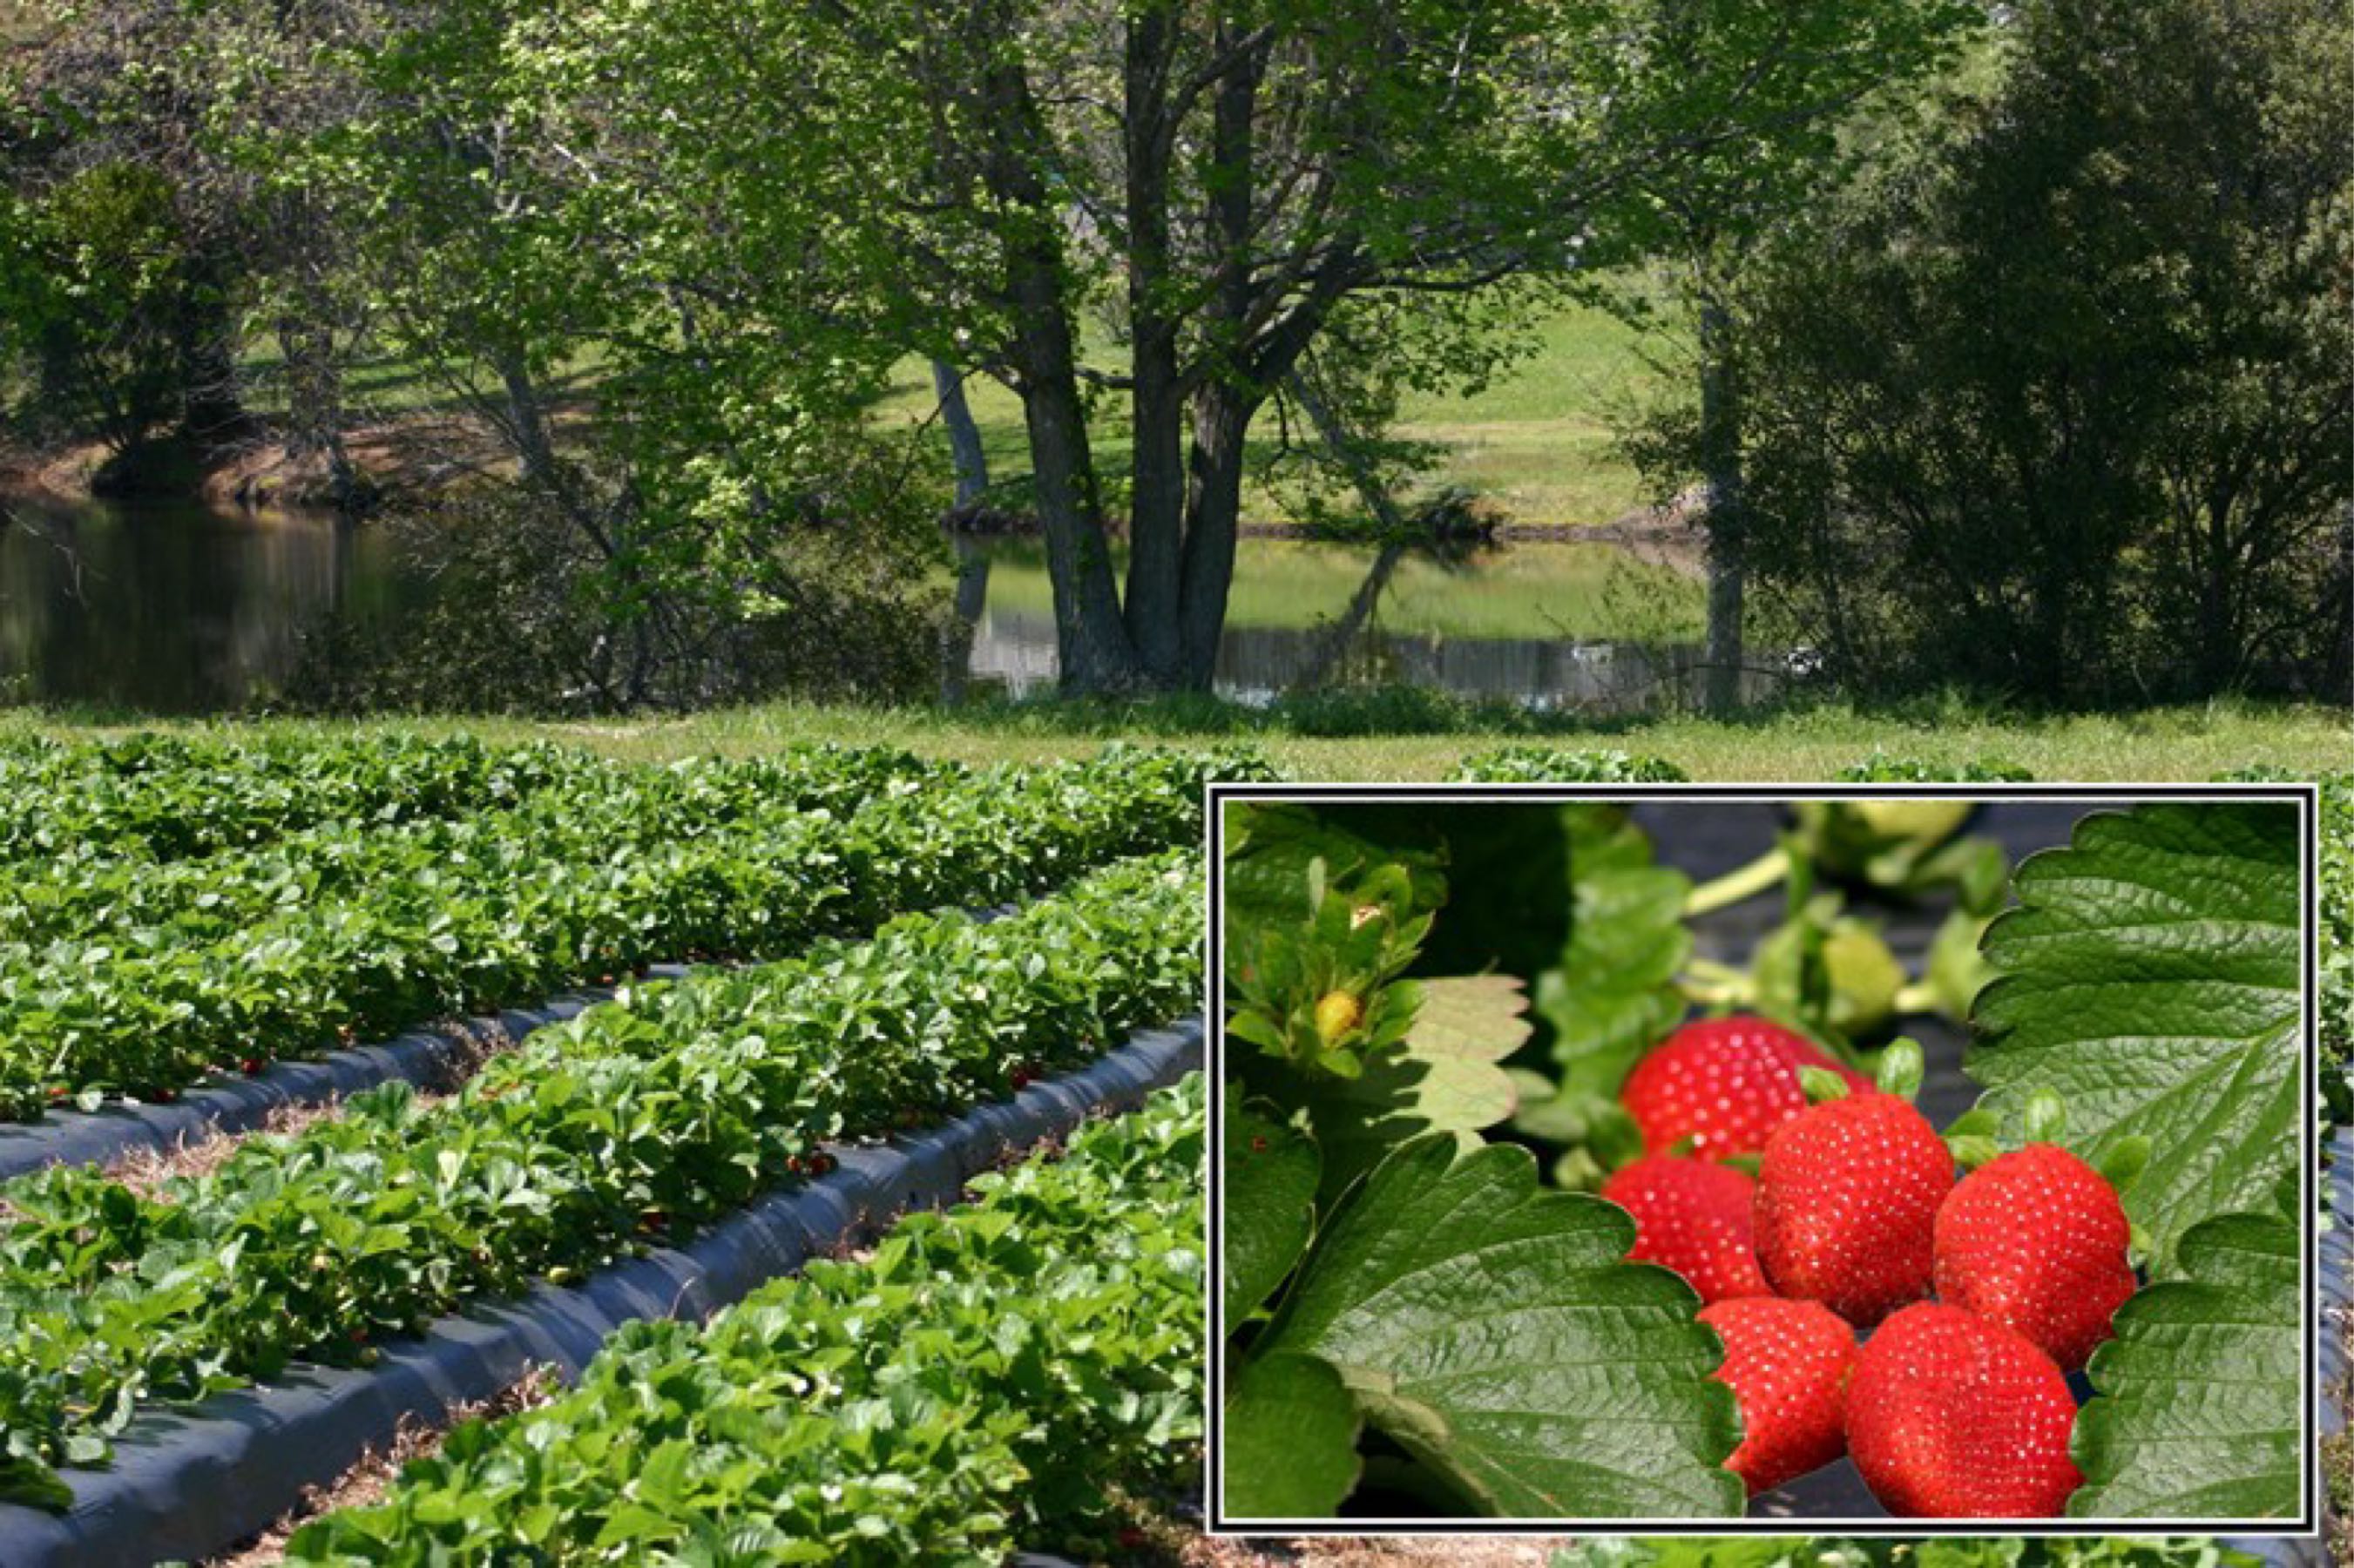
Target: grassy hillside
[[1538, 442]]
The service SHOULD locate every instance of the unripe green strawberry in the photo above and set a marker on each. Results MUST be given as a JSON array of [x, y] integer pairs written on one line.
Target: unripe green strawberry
[[1951, 1417], [1787, 1363], [1724, 1084], [1693, 1216], [2037, 1241], [1847, 1206], [1337, 1012]]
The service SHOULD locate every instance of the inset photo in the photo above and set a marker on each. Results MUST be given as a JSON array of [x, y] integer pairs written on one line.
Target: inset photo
[[1728, 1160]]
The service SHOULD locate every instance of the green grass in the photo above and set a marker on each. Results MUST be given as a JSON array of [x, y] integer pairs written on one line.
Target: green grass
[[1543, 441], [1536, 589], [1418, 737], [1539, 441]]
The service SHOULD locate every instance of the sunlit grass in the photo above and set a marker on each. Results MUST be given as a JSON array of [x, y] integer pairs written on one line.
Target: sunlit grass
[[2166, 744], [1523, 591], [1541, 442]]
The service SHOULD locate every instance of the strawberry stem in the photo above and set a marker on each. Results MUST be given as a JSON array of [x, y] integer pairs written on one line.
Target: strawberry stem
[[1918, 996], [1748, 881], [1706, 980]]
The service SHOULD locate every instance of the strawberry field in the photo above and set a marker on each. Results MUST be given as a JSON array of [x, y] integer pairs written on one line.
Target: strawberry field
[[1862, 1161], [879, 975]]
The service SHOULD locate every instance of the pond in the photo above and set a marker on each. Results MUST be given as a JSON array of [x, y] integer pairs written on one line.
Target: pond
[[183, 610]]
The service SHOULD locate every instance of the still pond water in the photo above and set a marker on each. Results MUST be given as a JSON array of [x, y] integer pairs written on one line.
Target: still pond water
[[181, 610]]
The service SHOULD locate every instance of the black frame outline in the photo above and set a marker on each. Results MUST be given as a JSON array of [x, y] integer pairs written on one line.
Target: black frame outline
[[2304, 794]]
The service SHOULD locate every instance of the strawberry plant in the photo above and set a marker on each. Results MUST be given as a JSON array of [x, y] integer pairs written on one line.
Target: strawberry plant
[[621, 868], [980, 1384], [684, 1100], [164, 798], [1526, 764], [2110, 1206]]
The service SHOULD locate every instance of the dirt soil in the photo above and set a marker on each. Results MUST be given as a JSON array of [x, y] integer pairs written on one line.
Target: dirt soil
[[411, 453]]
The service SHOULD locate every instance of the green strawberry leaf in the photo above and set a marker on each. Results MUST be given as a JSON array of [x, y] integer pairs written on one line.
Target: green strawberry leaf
[[1614, 994], [2196, 1413], [2149, 978], [1279, 859], [1292, 1440], [33, 1484], [1269, 1208], [1497, 1332]]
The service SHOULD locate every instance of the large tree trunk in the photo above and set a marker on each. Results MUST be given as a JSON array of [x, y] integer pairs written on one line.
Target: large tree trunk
[[1213, 523], [1091, 640], [1157, 398], [1728, 564], [1223, 404], [527, 430]]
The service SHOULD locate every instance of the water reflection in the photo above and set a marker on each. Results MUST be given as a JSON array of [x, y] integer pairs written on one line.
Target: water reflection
[[1015, 652], [1566, 626], [168, 610], [181, 610]]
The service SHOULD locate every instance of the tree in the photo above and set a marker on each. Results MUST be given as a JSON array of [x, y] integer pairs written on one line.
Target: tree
[[500, 231], [130, 301], [1714, 224], [1167, 203], [2057, 406]]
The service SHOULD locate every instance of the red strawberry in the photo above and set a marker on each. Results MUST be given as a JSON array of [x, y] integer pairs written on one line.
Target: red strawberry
[[1693, 1217], [1788, 1365], [1724, 1083], [1847, 1206], [1951, 1417], [2036, 1241]]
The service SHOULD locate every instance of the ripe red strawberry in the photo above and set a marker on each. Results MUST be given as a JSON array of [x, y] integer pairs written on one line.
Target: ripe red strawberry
[[1847, 1206], [1693, 1217], [2036, 1241], [1951, 1417], [1787, 1364], [1724, 1083]]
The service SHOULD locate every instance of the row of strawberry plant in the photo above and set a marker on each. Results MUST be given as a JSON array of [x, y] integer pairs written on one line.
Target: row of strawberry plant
[[977, 1386], [637, 1121], [101, 898], [462, 933], [169, 797]]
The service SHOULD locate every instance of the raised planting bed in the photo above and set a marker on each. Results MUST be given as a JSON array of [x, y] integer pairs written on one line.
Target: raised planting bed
[[629, 1125], [981, 1384], [192, 1482], [589, 893]]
